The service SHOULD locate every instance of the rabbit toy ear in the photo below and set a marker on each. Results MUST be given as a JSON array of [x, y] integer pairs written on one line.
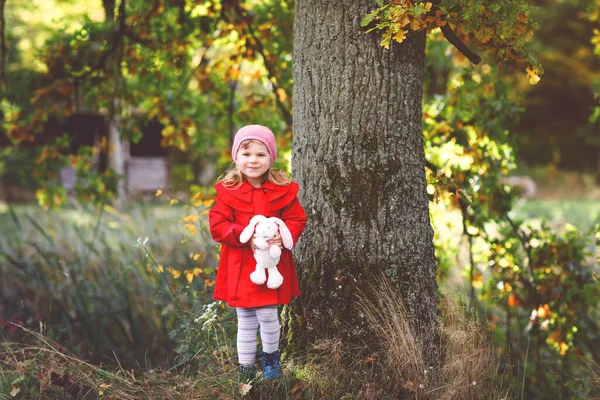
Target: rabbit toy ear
[[249, 230], [286, 235]]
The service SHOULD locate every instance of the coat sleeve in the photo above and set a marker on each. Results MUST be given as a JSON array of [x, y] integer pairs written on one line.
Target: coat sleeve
[[223, 229], [295, 218]]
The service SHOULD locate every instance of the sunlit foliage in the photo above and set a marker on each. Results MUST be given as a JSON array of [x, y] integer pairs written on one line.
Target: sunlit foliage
[[198, 68], [500, 28]]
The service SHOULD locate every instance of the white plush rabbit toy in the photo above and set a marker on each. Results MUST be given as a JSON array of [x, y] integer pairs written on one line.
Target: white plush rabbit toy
[[267, 253]]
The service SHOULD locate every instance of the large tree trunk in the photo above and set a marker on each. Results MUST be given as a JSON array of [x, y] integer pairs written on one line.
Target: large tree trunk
[[358, 157]]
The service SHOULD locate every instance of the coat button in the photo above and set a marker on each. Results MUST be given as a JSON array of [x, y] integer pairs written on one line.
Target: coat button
[[265, 190]]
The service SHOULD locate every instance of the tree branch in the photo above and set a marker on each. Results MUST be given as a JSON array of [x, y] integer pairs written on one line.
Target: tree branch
[[114, 38], [433, 168], [181, 16], [460, 46], [122, 18], [287, 116], [118, 45], [109, 9], [3, 48], [454, 39], [524, 239]]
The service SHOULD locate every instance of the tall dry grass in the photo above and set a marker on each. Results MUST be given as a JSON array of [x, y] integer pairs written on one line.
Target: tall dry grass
[[594, 375], [469, 367]]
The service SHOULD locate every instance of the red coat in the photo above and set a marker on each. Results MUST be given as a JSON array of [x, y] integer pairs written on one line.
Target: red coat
[[228, 217]]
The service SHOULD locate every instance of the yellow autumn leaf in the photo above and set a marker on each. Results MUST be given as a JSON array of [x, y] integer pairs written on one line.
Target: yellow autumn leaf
[[173, 201], [189, 275], [563, 348], [197, 199], [191, 227], [596, 40], [533, 76], [160, 269], [281, 95], [74, 160], [402, 20], [158, 192], [416, 24], [190, 219], [43, 155], [176, 274], [197, 271], [208, 203], [484, 34], [400, 35]]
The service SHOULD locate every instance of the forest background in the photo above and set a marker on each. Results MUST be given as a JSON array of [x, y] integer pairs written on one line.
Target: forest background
[[141, 266]]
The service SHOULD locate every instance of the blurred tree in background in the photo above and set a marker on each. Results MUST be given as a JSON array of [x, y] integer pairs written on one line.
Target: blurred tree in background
[[199, 69], [555, 127]]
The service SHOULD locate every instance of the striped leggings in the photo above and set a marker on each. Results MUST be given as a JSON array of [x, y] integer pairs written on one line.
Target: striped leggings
[[249, 320]]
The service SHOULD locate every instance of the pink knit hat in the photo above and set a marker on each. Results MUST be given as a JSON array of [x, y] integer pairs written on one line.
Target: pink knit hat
[[257, 132]]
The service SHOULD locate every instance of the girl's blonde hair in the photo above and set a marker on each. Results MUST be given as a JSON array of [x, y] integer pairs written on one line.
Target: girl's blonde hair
[[234, 178]]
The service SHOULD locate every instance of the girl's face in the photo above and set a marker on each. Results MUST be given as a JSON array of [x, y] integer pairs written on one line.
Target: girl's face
[[253, 160]]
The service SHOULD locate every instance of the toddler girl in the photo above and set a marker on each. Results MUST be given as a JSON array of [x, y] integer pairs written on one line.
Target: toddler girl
[[251, 188]]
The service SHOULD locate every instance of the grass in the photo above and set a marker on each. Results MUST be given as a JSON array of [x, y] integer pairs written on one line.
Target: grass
[[469, 365], [79, 276], [582, 214], [84, 310], [41, 368], [38, 367]]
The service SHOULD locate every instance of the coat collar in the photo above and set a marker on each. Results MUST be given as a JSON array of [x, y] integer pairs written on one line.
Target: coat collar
[[244, 192]]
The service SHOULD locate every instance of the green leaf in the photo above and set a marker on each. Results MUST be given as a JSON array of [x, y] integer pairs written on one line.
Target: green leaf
[[418, 9], [386, 39], [494, 7], [367, 19]]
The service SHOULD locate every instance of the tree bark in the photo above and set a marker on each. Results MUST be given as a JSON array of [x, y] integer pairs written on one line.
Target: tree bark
[[116, 155], [359, 159]]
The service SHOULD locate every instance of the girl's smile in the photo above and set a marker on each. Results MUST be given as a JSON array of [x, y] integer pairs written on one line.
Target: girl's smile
[[253, 161]]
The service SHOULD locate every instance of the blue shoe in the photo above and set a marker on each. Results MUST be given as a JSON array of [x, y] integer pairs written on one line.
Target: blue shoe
[[246, 374], [271, 368]]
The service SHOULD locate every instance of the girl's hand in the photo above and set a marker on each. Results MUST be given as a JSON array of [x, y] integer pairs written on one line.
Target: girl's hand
[[251, 243], [278, 241]]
